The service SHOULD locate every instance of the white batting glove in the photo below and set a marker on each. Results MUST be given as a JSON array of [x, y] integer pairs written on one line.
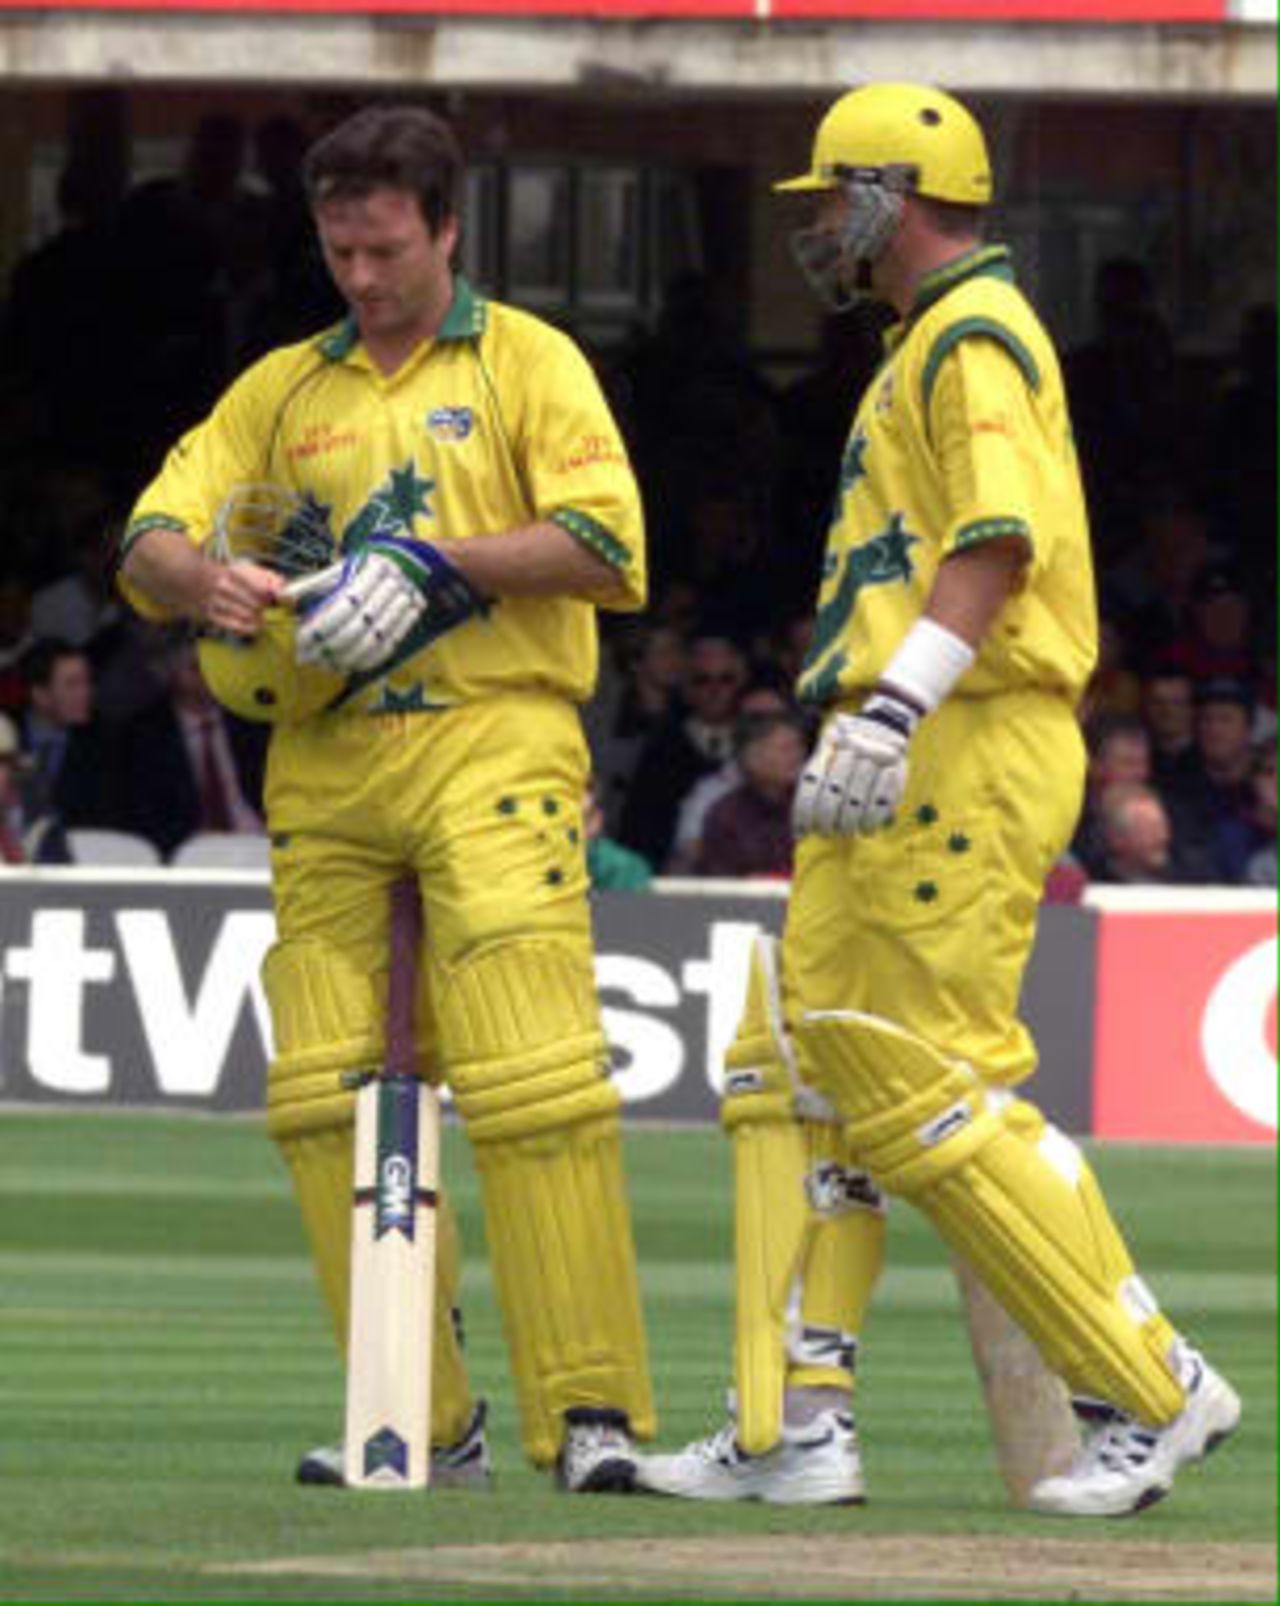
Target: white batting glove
[[368, 612], [858, 772]]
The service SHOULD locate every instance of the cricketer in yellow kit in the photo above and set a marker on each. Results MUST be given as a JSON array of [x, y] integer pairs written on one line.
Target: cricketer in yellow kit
[[460, 461], [954, 632]]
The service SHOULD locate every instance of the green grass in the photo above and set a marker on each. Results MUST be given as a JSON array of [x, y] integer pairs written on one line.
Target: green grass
[[164, 1358]]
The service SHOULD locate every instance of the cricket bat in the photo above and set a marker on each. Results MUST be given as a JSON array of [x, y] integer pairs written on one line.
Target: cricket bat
[[393, 1255], [1033, 1427]]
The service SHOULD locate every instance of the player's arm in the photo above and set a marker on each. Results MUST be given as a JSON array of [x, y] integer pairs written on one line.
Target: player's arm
[[978, 421], [170, 571], [535, 560], [163, 567]]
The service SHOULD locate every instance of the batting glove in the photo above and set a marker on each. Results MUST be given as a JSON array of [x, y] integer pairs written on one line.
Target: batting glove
[[858, 772], [383, 602]]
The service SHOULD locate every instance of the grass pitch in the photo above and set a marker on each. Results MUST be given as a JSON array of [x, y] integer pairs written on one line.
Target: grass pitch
[[164, 1359]]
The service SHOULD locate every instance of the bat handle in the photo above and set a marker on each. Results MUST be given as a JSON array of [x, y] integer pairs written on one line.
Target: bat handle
[[307, 585]]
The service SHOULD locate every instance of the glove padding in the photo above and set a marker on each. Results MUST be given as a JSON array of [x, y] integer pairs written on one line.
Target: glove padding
[[384, 602], [858, 772]]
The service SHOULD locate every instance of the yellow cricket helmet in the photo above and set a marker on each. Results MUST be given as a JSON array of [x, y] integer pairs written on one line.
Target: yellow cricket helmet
[[910, 129], [261, 679]]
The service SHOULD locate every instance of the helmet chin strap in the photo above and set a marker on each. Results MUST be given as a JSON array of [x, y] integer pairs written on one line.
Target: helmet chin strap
[[837, 261]]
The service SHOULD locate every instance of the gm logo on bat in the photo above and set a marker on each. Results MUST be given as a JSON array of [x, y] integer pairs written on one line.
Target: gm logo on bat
[[395, 1196]]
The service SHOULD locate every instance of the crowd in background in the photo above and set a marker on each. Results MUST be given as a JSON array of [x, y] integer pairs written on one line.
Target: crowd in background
[[123, 327]]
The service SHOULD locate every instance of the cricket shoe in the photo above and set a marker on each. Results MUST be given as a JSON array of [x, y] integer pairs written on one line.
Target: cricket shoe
[[1126, 1466], [464, 1465], [598, 1455], [818, 1464]]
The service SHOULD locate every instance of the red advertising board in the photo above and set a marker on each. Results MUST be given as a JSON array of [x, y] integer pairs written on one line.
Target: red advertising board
[[1185, 1042], [1120, 11]]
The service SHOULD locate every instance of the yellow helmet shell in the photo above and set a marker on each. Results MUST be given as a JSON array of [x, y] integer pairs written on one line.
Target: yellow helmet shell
[[261, 679], [902, 125]]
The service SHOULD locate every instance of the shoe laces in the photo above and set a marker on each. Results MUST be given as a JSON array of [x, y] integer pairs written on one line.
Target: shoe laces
[[586, 1436], [1123, 1446], [721, 1449]]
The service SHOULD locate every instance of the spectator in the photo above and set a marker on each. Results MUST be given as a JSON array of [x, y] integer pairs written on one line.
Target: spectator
[[1114, 687], [186, 765], [748, 832], [699, 403], [1148, 593], [1260, 867], [1136, 837], [1120, 388], [630, 708], [695, 738], [756, 702], [1119, 748], [1217, 638], [1169, 714], [1218, 801], [1066, 881], [611, 867], [72, 772], [79, 604], [12, 850]]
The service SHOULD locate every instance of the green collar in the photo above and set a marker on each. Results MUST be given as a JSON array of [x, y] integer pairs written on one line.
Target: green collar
[[983, 262], [466, 316], [464, 320]]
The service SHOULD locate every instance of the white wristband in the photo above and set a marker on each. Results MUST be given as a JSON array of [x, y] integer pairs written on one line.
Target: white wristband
[[927, 664]]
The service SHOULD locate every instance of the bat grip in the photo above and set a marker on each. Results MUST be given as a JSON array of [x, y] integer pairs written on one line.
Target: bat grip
[[307, 585]]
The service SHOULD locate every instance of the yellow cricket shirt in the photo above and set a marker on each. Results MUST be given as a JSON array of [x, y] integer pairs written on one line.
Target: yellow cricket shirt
[[497, 422], [962, 436]]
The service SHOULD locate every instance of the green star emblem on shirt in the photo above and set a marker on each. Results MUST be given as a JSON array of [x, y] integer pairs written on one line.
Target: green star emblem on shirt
[[958, 842], [925, 891], [852, 467], [392, 508], [926, 814], [405, 494]]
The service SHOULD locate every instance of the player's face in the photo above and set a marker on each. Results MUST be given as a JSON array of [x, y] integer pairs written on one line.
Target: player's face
[[392, 271]]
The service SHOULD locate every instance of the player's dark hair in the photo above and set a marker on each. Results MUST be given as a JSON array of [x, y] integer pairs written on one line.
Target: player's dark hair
[[396, 147], [954, 219], [43, 657]]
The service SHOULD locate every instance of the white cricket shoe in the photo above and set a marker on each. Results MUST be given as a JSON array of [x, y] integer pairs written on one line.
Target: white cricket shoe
[[464, 1465], [1126, 1467], [598, 1455], [818, 1464]]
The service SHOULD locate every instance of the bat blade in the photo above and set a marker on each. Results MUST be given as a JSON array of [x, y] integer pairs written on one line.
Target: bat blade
[[1033, 1427], [393, 1244]]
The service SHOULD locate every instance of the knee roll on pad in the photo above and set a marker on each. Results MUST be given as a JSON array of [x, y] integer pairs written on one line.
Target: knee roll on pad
[[525, 1058], [522, 1042], [1019, 1203], [326, 1017]]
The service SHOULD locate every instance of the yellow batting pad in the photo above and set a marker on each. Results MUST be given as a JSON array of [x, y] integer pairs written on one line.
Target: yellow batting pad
[[771, 1218], [771, 1212], [1025, 1211], [326, 1015], [843, 1259], [793, 1283], [310, 1115], [525, 1059], [560, 1245], [520, 1029]]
